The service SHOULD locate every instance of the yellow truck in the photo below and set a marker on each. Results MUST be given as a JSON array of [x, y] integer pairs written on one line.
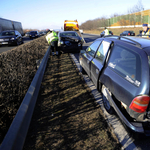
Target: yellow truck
[[71, 25]]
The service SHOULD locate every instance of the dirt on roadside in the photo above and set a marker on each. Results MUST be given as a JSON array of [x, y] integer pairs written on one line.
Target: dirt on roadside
[[66, 115]]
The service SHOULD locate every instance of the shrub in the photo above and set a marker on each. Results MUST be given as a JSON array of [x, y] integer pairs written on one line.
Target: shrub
[[17, 69]]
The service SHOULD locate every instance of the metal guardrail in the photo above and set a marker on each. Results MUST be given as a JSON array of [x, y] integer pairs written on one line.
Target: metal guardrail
[[16, 135]]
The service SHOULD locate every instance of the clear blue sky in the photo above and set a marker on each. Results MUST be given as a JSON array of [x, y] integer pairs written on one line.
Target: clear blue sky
[[41, 14]]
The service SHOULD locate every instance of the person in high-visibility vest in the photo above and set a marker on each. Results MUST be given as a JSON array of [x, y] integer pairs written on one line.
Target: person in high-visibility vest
[[146, 31], [52, 40], [106, 31]]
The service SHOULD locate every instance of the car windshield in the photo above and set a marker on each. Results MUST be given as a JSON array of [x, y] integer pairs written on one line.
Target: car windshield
[[7, 33], [69, 34], [33, 32], [132, 31]]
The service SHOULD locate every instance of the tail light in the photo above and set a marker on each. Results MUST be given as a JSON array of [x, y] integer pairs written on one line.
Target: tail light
[[140, 103], [112, 33], [128, 33], [64, 25]]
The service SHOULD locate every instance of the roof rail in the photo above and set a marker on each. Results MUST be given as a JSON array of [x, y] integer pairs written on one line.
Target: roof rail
[[119, 38]]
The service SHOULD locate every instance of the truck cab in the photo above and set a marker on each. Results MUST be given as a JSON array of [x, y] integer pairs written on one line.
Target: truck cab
[[71, 25]]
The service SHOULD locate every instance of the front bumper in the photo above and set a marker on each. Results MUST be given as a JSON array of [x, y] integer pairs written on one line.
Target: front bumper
[[70, 48], [10, 42]]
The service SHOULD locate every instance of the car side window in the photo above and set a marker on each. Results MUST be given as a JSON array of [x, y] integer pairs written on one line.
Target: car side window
[[102, 51], [93, 48], [16, 33], [126, 63], [19, 33]]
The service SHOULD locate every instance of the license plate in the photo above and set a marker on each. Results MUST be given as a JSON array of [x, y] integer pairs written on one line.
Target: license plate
[[4, 42]]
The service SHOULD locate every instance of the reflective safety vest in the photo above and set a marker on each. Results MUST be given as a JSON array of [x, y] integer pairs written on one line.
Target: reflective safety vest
[[146, 34], [52, 37], [106, 32]]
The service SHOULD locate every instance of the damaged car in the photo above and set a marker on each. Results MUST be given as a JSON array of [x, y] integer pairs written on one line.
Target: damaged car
[[69, 41]]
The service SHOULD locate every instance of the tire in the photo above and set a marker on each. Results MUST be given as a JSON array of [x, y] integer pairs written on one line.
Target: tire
[[82, 70], [106, 103], [17, 43]]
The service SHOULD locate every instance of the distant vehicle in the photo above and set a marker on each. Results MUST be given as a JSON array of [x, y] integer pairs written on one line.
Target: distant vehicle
[[127, 33], [34, 34], [71, 25], [41, 33], [81, 31], [103, 33], [6, 24], [119, 67], [69, 41], [10, 37], [27, 34]]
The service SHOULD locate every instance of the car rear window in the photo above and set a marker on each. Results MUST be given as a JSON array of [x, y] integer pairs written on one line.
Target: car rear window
[[126, 63]]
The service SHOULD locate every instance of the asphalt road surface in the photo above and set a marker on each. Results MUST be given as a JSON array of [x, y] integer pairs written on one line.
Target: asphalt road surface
[[5, 48]]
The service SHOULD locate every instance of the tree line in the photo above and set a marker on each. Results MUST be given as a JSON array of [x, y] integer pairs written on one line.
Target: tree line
[[122, 19]]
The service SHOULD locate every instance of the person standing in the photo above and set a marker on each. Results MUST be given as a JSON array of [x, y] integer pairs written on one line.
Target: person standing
[[106, 31], [52, 40], [146, 31]]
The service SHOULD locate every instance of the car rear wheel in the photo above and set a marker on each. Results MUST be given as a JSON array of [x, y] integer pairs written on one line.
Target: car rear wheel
[[106, 103]]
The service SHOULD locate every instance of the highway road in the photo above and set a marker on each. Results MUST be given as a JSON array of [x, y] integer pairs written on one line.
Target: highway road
[[6, 47]]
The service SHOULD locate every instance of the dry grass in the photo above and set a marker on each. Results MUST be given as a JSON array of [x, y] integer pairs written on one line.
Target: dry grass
[[66, 115], [115, 31]]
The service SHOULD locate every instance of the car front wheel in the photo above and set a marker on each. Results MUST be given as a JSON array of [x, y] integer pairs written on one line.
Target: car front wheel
[[106, 103], [82, 70]]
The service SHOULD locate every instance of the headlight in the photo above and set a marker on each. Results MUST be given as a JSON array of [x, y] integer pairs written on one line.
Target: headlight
[[76, 40], [12, 38], [61, 42]]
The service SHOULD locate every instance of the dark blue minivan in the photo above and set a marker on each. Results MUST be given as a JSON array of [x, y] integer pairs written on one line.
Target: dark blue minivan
[[120, 68]]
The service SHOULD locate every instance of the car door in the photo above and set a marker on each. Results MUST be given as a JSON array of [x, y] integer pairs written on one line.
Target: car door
[[87, 57], [98, 61], [125, 73]]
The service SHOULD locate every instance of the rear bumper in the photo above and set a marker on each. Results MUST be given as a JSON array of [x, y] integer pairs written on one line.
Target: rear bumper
[[136, 127]]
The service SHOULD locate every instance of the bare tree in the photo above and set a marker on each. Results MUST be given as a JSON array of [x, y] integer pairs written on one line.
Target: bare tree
[[133, 18]]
